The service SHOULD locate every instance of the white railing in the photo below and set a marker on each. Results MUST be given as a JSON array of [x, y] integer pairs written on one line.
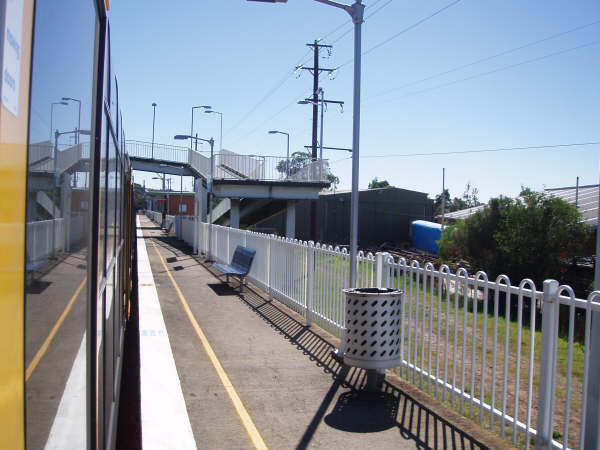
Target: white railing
[[154, 216], [39, 239], [465, 339], [169, 221]]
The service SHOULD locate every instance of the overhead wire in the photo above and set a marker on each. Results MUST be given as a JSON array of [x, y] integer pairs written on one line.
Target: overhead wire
[[493, 71], [303, 60], [404, 30], [485, 59]]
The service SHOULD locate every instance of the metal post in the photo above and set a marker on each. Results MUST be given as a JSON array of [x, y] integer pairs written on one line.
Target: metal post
[[78, 120], [287, 161], [321, 136], [153, 120], [443, 196], [381, 273], [56, 134], [550, 309], [592, 416], [357, 18], [210, 201], [321, 131], [310, 271]]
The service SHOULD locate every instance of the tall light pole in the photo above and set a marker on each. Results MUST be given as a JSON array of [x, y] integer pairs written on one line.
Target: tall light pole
[[192, 127], [153, 120], [287, 161], [52, 117], [210, 111], [66, 99], [211, 141], [356, 11], [58, 134]]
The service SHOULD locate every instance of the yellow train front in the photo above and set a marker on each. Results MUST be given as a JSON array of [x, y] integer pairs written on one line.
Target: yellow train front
[[67, 245]]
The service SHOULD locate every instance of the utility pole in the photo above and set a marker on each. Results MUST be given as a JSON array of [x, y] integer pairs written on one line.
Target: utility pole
[[316, 70]]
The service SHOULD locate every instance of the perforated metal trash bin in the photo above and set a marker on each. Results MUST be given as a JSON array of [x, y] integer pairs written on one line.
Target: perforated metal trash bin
[[373, 320]]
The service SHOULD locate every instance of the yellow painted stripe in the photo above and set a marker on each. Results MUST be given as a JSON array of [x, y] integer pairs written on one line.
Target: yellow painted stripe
[[245, 418], [38, 356]]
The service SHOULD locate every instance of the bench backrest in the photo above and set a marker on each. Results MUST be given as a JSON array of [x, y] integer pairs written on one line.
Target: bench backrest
[[242, 258]]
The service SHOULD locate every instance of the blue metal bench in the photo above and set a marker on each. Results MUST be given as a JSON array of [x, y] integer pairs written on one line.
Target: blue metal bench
[[240, 264]]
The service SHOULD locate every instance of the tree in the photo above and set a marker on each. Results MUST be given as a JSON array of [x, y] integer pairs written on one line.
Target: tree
[[299, 161], [531, 237], [375, 183], [470, 196], [437, 203]]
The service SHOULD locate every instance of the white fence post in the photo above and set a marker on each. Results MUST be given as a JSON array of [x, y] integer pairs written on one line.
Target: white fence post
[[550, 309], [270, 240], [382, 273], [310, 271]]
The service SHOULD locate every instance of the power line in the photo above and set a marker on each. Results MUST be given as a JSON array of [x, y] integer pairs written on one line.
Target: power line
[[486, 150], [500, 69], [487, 58], [573, 146], [404, 30], [293, 102]]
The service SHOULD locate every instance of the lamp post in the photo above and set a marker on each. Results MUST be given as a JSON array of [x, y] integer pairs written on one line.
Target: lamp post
[[356, 11], [210, 111], [211, 141], [66, 99], [192, 127], [58, 134], [287, 161], [153, 120], [52, 117]]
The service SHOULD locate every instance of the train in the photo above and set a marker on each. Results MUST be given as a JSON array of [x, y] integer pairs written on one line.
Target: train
[[67, 221]]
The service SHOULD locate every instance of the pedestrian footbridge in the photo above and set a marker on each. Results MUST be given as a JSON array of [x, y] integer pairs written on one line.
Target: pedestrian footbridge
[[234, 176]]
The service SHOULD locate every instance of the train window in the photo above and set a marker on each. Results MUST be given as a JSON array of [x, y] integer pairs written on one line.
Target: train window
[[57, 221]]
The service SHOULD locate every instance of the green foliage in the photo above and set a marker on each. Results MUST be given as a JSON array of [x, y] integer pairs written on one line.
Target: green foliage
[[530, 237], [375, 183], [469, 199], [298, 161]]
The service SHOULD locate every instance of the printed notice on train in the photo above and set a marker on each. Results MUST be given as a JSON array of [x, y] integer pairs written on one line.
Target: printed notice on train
[[11, 62]]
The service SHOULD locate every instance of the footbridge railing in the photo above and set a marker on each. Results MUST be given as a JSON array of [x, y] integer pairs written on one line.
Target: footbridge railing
[[233, 166]]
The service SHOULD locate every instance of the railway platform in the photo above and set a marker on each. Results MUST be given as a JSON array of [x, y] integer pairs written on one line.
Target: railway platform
[[223, 369]]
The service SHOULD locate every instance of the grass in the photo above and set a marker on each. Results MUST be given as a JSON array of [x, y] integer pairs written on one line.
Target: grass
[[465, 329], [463, 321]]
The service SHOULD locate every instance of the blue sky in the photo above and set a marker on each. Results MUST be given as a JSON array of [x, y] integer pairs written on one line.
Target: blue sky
[[239, 56]]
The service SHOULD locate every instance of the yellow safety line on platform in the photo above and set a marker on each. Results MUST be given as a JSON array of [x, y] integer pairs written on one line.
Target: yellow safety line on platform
[[42, 351], [245, 418]]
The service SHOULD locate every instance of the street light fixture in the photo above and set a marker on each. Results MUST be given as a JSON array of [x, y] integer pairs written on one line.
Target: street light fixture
[[210, 111], [57, 134], [211, 141], [52, 116], [66, 99], [192, 128], [287, 161], [356, 11]]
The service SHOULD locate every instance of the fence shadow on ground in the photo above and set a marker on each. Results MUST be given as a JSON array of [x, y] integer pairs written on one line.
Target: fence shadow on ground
[[355, 410]]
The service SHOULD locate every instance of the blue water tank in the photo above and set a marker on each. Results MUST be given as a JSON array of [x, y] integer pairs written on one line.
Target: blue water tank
[[426, 234]]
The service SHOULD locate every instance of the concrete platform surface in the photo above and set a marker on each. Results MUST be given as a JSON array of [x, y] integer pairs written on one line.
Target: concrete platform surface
[[253, 375]]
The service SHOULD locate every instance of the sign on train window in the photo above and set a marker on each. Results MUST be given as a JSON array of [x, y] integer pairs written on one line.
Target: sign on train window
[[11, 64]]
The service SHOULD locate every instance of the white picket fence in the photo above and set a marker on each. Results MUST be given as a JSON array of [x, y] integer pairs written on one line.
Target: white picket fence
[[39, 239], [154, 216], [465, 339]]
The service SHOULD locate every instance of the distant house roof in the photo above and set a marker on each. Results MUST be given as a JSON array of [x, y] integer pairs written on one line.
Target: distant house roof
[[587, 203], [587, 200], [462, 213]]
